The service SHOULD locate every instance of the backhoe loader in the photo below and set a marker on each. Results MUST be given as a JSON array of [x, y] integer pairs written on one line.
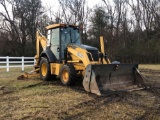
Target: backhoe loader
[[64, 55]]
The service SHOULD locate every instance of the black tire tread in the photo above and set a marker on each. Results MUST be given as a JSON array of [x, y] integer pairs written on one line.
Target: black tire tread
[[72, 74], [48, 76]]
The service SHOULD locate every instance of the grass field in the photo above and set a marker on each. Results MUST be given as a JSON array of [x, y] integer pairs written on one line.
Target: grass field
[[42, 100]]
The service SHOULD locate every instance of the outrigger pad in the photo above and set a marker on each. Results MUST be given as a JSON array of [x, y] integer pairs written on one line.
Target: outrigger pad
[[103, 79]]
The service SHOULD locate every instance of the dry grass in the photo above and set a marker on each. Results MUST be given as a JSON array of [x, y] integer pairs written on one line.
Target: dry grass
[[150, 66], [41, 100]]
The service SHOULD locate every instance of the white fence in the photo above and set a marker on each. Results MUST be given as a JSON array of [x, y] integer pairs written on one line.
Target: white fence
[[10, 62]]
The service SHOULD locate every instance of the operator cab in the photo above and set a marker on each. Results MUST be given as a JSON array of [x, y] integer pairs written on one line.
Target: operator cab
[[59, 36]]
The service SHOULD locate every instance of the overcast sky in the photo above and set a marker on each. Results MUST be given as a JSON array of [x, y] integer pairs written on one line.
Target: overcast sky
[[54, 3]]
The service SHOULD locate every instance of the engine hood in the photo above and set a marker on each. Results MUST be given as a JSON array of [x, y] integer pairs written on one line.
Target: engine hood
[[92, 50], [86, 47]]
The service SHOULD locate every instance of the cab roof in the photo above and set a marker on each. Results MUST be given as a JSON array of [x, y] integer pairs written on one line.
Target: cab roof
[[59, 25]]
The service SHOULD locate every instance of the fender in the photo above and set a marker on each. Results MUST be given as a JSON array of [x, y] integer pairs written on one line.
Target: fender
[[49, 54]]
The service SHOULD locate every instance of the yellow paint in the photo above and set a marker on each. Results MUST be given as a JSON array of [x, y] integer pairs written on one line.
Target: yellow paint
[[30, 74], [43, 41], [58, 25], [44, 69], [105, 61], [73, 61], [80, 54], [102, 44], [55, 68], [65, 75], [79, 66]]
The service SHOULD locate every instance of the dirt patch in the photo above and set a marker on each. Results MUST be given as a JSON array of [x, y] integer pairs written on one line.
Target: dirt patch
[[5, 90]]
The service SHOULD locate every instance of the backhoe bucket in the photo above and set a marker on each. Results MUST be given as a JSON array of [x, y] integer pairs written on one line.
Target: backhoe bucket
[[26, 75], [104, 79]]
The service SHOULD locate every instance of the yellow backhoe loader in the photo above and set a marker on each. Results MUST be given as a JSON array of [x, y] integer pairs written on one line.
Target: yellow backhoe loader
[[64, 55]]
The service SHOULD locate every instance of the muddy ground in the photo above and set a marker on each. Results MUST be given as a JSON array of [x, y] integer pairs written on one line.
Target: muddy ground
[[42, 100]]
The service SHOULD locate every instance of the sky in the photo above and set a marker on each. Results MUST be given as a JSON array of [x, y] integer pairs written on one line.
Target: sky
[[54, 3]]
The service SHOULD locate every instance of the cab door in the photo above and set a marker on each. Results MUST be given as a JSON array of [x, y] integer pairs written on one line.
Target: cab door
[[65, 39], [55, 42]]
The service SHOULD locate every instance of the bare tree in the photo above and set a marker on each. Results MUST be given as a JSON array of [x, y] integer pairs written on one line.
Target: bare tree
[[20, 23], [75, 12]]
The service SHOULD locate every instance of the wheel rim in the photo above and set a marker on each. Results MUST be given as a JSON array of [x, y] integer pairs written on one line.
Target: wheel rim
[[44, 69], [65, 75]]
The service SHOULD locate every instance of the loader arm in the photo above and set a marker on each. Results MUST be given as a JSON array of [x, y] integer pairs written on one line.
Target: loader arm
[[105, 60]]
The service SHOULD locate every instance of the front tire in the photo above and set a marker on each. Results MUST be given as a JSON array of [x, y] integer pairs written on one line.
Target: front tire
[[45, 72], [68, 74]]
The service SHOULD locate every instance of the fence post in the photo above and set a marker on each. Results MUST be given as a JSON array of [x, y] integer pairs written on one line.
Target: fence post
[[22, 63], [7, 63], [34, 61]]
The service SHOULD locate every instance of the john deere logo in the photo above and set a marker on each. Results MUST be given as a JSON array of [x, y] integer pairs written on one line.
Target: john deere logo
[[80, 55]]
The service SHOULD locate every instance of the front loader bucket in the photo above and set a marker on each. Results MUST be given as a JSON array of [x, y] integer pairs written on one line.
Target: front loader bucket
[[104, 79]]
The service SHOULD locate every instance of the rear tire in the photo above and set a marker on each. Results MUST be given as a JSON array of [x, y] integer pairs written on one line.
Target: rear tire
[[45, 72], [68, 74]]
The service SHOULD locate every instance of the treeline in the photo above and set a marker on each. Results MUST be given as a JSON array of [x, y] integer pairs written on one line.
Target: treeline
[[131, 28]]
